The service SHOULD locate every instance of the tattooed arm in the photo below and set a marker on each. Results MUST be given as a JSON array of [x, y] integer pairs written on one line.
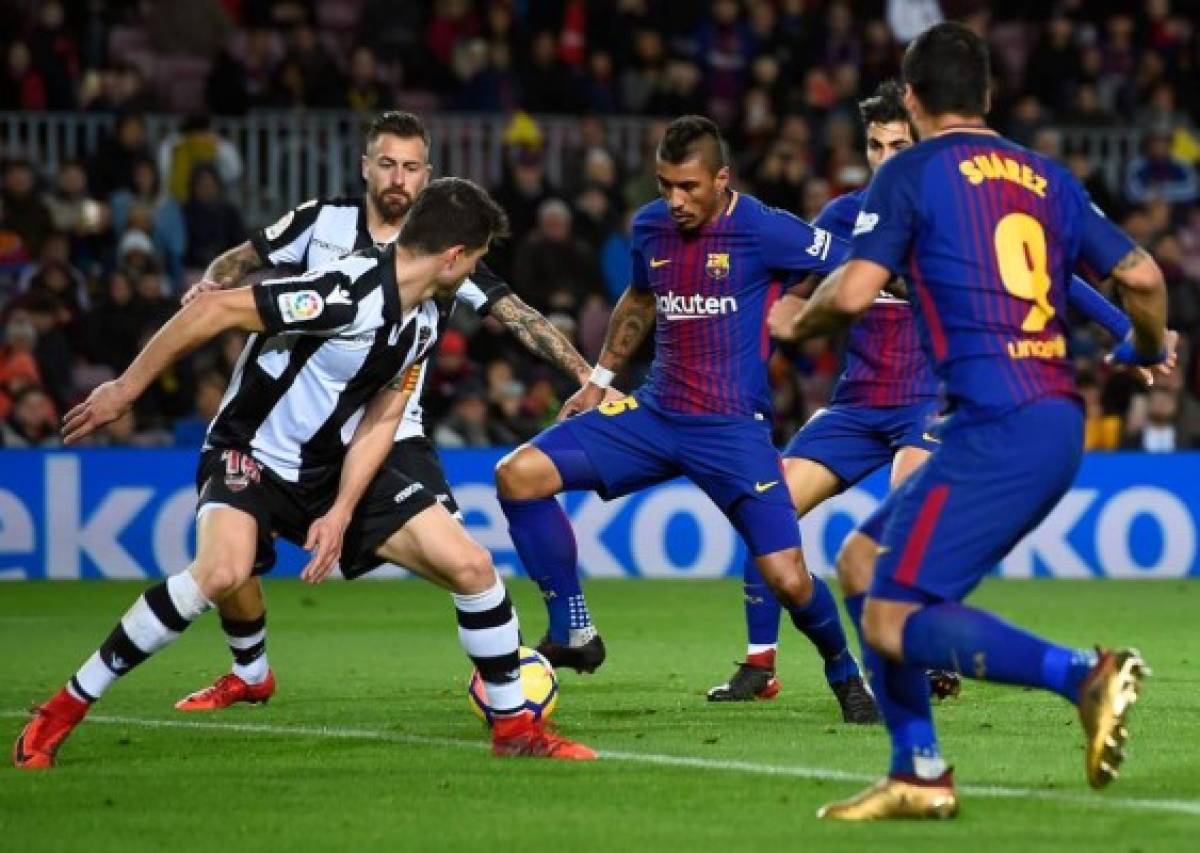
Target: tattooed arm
[[1144, 293], [227, 270], [627, 328], [540, 336]]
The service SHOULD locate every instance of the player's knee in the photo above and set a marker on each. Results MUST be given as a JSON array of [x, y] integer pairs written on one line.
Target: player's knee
[[883, 631], [791, 583], [855, 564], [473, 570], [219, 577], [517, 475]]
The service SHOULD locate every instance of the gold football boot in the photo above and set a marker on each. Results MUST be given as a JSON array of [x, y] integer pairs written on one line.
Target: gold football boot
[[1105, 698], [894, 798]]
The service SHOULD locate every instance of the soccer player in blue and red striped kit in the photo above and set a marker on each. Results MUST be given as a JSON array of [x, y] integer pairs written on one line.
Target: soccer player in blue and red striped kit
[[987, 234], [707, 263], [881, 411]]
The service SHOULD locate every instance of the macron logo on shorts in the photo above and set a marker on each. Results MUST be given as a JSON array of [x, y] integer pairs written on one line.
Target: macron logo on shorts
[[407, 492], [675, 306]]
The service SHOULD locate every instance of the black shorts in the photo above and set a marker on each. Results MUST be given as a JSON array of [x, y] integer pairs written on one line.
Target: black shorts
[[234, 478], [417, 459]]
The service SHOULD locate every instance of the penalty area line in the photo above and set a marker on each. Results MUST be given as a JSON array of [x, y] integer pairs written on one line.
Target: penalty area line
[[824, 774]]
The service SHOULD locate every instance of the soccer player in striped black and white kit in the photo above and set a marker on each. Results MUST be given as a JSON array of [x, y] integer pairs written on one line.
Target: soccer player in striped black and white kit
[[302, 434], [395, 168]]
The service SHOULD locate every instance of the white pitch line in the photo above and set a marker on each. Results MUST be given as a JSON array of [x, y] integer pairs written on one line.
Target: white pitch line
[[1185, 807]]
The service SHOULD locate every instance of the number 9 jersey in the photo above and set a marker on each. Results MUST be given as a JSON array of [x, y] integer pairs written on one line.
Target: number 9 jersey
[[990, 286]]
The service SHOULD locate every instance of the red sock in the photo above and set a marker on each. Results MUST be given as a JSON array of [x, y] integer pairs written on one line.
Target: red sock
[[762, 660]]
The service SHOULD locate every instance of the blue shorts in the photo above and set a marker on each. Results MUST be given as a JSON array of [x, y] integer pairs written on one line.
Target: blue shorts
[[988, 484], [627, 445], [852, 441]]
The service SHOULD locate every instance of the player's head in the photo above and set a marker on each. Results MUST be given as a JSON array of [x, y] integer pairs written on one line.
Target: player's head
[[889, 129], [693, 170], [395, 163], [454, 219], [946, 72]]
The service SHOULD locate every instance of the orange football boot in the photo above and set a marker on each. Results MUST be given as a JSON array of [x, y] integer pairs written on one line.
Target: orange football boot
[[228, 690], [52, 723], [522, 735]]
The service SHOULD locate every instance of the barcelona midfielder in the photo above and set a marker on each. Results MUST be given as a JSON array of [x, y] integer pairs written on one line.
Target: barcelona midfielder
[[880, 411], [706, 267], [987, 233]]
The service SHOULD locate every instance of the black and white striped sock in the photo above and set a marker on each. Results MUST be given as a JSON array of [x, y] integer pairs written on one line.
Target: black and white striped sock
[[155, 620], [490, 635], [248, 643]]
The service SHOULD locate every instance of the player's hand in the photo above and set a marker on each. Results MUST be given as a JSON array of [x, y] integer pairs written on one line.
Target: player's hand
[[103, 406], [325, 543], [584, 400], [1123, 357], [781, 319], [202, 286], [611, 395]]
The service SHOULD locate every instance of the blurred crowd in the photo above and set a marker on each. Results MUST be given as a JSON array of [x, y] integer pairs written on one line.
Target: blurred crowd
[[94, 257]]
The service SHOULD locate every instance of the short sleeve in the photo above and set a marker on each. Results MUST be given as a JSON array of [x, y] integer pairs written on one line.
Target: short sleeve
[[886, 223], [833, 217], [789, 244], [317, 301], [482, 289], [1102, 245], [638, 278], [286, 242]]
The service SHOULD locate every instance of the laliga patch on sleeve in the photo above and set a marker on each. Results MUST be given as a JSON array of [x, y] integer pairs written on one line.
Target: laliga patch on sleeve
[[865, 223], [273, 231], [300, 306]]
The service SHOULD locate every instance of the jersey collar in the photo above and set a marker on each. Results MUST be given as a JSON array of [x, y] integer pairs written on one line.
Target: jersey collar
[[393, 310]]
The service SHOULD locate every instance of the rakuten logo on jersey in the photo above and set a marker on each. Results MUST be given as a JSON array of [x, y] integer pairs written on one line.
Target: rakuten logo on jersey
[[674, 306]]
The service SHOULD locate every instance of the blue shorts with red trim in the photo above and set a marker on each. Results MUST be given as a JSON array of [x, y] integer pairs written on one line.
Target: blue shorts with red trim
[[631, 444], [852, 441], [990, 482]]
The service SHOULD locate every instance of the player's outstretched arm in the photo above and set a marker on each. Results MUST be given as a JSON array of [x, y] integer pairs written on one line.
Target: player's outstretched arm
[[368, 449], [1144, 294], [227, 270], [631, 320], [847, 292], [194, 324], [540, 336]]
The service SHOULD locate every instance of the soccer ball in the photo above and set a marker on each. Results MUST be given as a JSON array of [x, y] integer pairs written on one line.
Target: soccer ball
[[538, 679]]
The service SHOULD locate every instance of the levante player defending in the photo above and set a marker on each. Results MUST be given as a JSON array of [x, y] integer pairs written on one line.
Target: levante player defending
[[881, 411], [336, 350], [987, 233], [707, 261]]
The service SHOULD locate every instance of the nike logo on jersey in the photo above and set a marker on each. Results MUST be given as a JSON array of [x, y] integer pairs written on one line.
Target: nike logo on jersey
[[931, 439], [655, 263], [762, 487], [339, 296]]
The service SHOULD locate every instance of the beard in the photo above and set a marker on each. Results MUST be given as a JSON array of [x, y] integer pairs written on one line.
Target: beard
[[392, 205]]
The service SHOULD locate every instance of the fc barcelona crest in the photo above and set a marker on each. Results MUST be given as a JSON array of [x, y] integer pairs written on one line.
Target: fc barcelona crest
[[717, 265]]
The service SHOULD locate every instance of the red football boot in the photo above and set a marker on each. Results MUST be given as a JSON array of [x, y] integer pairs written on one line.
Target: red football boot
[[228, 690], [522, 735], [52, 723]]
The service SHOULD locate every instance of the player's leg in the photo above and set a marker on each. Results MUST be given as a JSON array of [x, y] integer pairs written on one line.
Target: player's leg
[[562, 459], [227, 541], [995, 481], [809, 483], [243, 616], [433, 544]]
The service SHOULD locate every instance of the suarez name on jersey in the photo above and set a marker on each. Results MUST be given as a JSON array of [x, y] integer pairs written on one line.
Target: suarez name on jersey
[[884, 364], [712, 289], [991, 285]]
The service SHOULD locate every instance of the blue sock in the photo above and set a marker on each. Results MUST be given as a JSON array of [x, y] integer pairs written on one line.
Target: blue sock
[[854, 607], [902, 691], [545, 542], [819, 621], [762, 609], [979, 645]]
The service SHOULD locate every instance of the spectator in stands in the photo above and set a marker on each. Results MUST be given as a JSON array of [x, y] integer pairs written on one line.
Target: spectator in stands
[[23, 209], [466, 424], [112, 328], [213, 223], [1157, 174], [111, 168], [523, 190], [22, 87], [1159, 433], [74, 211], [365, 92], [508, 421], [450, 369], [188, 27], [55, 54], [1054, 66], [32, 422], [196, 144], [145, 208], [210, 388], [1102, 430], [553, 269], [18, 365], [243, 73], [321, 79]]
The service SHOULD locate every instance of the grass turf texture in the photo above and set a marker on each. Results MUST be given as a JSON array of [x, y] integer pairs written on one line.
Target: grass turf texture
[[382, 659]]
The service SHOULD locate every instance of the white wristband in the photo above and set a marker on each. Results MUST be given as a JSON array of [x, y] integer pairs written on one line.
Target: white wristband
[[601, 377]]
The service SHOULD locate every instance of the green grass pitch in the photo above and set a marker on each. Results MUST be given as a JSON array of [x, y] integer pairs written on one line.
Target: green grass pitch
[[369, 744]]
